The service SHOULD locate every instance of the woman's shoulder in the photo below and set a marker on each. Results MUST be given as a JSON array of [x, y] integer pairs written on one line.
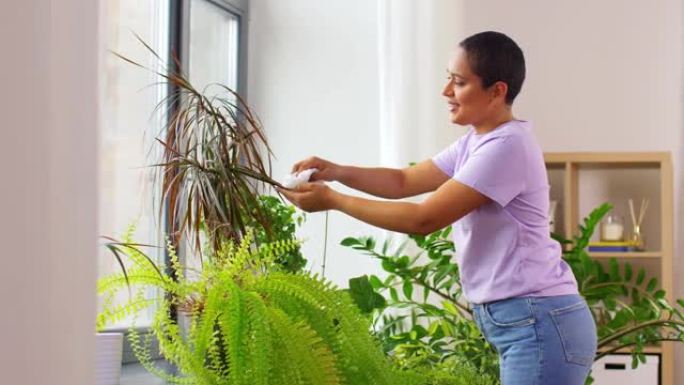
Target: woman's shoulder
[[512, 132], [513, 128]]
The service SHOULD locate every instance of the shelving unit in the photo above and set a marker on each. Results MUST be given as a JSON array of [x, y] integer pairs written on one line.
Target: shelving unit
[[631, 174]]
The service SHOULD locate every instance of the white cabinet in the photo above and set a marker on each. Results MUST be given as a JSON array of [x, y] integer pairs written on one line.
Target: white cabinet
[[616, 369]]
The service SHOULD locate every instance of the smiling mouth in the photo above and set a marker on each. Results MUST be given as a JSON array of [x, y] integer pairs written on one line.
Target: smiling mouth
[[453, 107]]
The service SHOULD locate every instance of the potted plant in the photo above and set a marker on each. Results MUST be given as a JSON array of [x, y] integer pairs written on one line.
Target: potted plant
[[418, 313], [629, 310], [108, 355], [209, 173], [253, 322]]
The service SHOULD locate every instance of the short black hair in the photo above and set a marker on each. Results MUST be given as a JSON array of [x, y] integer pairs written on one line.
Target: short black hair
[[495, 57]]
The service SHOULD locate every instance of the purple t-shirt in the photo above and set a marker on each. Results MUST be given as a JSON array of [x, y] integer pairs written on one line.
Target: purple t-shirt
[[503, 248]]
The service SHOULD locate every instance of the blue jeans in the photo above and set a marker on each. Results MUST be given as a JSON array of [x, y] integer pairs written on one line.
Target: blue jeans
[[540, 340]]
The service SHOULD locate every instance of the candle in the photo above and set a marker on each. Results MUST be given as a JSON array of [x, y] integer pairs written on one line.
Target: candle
[[612, 231]]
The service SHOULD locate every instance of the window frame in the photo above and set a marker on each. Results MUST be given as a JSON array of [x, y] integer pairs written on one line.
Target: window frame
[[178, 47], [181, 42]]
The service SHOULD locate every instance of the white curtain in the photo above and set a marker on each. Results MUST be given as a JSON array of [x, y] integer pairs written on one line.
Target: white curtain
[[415, 40]]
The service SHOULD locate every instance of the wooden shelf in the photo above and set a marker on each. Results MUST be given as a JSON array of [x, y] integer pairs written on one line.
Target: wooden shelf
[[567, 170], [631, 254], [607, 158]]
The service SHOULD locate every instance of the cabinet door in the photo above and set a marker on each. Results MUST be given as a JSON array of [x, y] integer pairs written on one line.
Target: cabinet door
[[616, 369]]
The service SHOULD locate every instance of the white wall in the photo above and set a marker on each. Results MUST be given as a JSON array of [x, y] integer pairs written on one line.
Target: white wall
[[343, 80], [313, 82], [602, 76], [48, 199]]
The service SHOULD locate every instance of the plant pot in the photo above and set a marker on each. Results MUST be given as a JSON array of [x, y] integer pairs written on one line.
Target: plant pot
[[108, 352]]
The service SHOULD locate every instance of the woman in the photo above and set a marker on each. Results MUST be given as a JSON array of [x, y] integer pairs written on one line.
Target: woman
[[491, 186]]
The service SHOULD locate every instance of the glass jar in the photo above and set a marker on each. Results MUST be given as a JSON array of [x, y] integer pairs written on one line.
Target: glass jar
[[612, 228]]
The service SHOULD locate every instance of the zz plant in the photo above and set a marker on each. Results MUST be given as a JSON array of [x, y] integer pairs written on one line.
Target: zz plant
[[629, 309], [417, 310], [419, 315]]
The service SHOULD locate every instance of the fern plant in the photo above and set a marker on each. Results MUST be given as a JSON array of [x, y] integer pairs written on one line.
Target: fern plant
[[252, 322]]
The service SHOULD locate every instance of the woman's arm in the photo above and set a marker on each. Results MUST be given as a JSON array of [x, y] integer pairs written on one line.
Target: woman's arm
[[381, 182], [393, 183], [450, 202]]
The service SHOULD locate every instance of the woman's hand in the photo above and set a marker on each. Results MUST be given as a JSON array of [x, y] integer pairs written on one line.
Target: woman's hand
[[311, 197], [327, 171]]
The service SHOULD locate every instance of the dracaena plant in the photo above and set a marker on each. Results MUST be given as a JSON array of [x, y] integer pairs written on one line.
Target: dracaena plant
[[215, 158]]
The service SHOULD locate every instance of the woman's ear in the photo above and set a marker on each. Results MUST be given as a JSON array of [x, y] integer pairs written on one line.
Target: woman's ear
[[499, 89]]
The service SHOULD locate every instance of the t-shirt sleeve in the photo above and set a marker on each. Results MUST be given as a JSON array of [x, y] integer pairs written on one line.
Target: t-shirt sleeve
[[445, 160], [496, 168]]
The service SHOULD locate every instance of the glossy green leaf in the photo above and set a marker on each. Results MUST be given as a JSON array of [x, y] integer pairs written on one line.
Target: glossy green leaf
[[393, 294], [628, 271], [364, 296], [449, 307], [375, 282], [408, 289], [349, 241], [641, 276]]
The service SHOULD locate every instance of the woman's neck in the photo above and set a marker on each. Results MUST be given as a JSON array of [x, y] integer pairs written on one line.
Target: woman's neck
[[489, 124]]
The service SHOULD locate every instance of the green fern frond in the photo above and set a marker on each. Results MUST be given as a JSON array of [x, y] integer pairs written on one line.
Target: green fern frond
[[173, 256], [231, 321], [269, 252], [344, 328], [215, 359], [259, 341], [112, 314], [141, 349], [311, 361], [138, 276], [171, 345], [203, 326]]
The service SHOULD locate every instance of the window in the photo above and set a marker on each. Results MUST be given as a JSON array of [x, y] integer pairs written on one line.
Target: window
[[126, 193], [213, 45], [209, 36]]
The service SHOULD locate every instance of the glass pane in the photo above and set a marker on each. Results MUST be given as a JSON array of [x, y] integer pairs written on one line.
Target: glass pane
[[213, 59], [213, 46], [127, 129]]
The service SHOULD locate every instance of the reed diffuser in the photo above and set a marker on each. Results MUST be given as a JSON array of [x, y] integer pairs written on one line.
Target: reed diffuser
[[637, 239]]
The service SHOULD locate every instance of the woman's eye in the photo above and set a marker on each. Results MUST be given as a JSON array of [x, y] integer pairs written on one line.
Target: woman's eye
[[458, 83]]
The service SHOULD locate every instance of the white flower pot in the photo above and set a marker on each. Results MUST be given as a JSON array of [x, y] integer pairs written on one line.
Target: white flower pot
[[108, 352]]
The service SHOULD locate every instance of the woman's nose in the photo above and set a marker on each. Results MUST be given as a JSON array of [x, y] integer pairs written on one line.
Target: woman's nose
[[448, 91]]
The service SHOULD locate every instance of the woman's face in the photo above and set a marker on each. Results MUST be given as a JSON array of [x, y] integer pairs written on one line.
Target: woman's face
[[469, 103]]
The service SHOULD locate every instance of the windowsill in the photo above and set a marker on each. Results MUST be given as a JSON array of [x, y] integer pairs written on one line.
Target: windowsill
[[135, 374]]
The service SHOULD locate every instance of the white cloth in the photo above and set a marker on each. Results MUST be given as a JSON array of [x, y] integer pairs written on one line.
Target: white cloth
[[293, 180]]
